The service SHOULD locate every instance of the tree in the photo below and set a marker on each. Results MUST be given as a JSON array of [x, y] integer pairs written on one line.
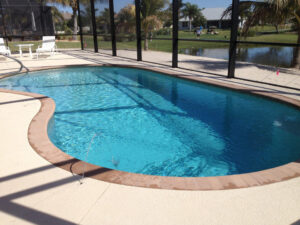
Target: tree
[[258, 13], [104, 20], [150, 21], [74, 6], [126, 19], [167, 15], [270, 12], [58, 19], [199, 20], [190, 11], [86, 17]]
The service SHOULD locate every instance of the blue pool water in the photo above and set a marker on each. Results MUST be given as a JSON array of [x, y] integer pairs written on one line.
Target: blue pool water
[[144, 122]]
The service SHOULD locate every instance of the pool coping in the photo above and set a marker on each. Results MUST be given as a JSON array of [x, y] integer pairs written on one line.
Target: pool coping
[[40, 142]]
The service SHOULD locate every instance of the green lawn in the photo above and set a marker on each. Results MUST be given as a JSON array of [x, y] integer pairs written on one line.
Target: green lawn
[[268, 28], [166, 45], [288, 37], [222, 35], [281, 37]]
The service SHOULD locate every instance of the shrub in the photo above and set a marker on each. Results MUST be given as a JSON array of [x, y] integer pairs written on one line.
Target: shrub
[[123, 37], [68, 30], [106, 38], [164, 31], [251, 33], [132, 37], [120, 39]]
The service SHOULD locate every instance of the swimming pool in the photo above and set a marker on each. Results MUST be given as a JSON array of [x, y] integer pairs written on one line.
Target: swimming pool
[[144, 122]]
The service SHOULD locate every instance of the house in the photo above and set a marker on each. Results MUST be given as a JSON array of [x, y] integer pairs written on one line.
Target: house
[[213, 17], [184, 24]]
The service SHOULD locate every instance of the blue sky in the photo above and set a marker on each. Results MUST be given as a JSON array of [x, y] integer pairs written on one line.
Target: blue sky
[[201, 3], [211, 3]]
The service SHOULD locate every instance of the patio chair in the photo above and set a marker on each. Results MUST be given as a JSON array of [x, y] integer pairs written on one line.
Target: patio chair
[[48, 45], [3, 49]]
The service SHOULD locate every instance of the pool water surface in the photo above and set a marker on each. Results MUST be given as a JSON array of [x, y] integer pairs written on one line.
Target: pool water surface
[[145, 122]]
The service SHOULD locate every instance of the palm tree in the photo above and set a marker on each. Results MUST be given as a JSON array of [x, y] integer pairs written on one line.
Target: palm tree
[[199, 20], [149, 24], [86, 16], [167, 14], [126, 19], [104, 20], [190, 11], [57, 18], [149, 16], [74, 6], [271, 12], [254, 13]]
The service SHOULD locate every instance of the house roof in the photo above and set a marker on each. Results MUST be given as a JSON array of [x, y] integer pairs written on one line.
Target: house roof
[[66, 15], [210, 14], [214, 14]]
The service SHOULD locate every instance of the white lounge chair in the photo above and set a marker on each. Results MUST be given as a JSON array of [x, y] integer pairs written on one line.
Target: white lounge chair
[[48, 45], [3, 49]]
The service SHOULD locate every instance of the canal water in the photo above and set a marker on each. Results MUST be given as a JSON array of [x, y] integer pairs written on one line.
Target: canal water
[[273, 56]]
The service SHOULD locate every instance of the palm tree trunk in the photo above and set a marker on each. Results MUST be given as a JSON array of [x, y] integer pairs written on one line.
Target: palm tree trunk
[[53, 24], [146, 45], [276, 27], [75, 27], [296, 56], [190, 23]]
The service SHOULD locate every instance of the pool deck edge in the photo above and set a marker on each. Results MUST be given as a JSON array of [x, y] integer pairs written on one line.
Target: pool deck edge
[[40, 142]]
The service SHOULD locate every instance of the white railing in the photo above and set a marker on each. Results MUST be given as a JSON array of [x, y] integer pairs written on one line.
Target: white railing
[[13, 72]]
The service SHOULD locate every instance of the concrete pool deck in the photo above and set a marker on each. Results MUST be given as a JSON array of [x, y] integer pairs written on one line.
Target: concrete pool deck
[[204, 67], [32, 191]]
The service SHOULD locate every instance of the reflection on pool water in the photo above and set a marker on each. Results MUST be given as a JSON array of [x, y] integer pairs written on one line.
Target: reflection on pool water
[[144, 122]]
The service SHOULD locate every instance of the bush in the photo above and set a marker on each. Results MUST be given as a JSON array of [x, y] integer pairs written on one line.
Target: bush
[[124, 38], [164, 31], [132, 37], [68, 30], [295, 27], [251, 33], [120, 39], [106, 38]]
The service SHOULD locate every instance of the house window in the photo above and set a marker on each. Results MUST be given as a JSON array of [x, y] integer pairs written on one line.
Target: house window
[[185, 24]]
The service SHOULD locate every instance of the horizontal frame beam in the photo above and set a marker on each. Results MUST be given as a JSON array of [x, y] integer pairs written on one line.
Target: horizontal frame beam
[[170, 39]]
